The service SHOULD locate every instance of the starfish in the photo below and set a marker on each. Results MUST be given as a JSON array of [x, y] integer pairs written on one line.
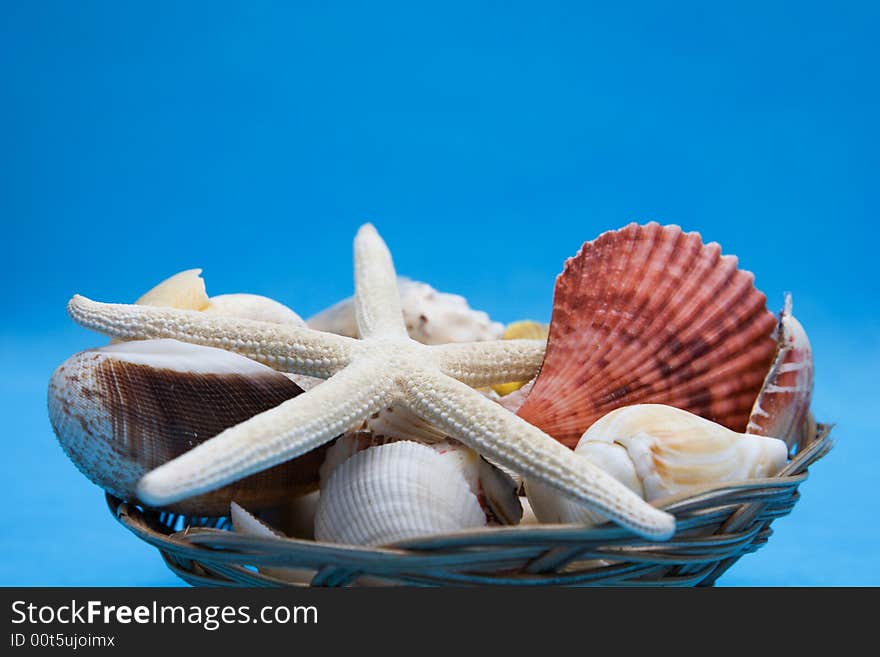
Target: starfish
[[384, 367]]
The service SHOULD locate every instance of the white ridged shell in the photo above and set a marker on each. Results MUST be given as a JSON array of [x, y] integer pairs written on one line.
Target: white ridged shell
[[394, 492], [657, 451], [651, 315], [344, 447], [400, 423]]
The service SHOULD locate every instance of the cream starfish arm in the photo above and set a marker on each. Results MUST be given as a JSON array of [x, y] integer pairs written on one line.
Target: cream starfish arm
[[501, 436], [279, 434], [491, 362], [283, 347], [377, 297]]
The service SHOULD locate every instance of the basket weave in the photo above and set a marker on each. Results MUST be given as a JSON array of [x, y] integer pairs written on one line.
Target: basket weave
[[715, 526]]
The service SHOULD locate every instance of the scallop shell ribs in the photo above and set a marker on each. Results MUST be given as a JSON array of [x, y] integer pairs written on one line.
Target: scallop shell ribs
[[651, 314]]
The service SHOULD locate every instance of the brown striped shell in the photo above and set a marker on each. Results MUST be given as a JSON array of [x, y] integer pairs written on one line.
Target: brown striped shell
[[651, 314], [125, 409], [783, 406]]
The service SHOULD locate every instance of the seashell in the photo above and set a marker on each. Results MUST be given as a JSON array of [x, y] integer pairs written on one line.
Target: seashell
[[522, 330], [526, 330], [498, 493], [400, 423], [253, 306], [186, 291], [657, 451], [495, 489], [528, 515], [401, 490], [122, 410], [783, 405], [650, 314], [431, 317], [244, 522], [513, 401], [344, 447]]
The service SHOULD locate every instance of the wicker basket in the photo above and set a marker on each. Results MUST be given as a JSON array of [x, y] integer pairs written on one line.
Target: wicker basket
[[715, 527]]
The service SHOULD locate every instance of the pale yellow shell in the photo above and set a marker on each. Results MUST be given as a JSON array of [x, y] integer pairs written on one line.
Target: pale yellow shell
[[521, 330], [526, 330], [186, 291]]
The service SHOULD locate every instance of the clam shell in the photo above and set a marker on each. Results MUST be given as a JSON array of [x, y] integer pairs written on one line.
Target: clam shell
[[346, 446], [783, 405], [394, 492], [658, 451], [125, 409], [431, 317], [651, 314], [399, 423], [496, 489]]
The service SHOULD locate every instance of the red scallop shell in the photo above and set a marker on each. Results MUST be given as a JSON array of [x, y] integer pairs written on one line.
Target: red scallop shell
[[651, 314]]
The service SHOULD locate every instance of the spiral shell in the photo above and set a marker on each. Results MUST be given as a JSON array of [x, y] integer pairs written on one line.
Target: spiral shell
[[122, 410], [651, 314], [431, 317], [657, 451]]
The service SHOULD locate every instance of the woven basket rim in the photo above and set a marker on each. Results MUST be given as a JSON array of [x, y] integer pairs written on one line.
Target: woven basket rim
[[723, 520]]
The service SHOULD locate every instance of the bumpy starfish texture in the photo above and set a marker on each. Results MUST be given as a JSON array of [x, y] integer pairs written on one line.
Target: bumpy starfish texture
[[364, 376]]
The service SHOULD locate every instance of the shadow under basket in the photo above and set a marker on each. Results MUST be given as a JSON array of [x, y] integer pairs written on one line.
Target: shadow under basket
[[715, 526]]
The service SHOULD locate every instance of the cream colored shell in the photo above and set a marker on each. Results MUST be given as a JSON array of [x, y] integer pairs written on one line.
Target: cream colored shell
[[186, 291], [657, 451]]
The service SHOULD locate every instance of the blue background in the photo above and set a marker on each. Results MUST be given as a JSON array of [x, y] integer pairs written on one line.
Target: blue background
[[486, 141]]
